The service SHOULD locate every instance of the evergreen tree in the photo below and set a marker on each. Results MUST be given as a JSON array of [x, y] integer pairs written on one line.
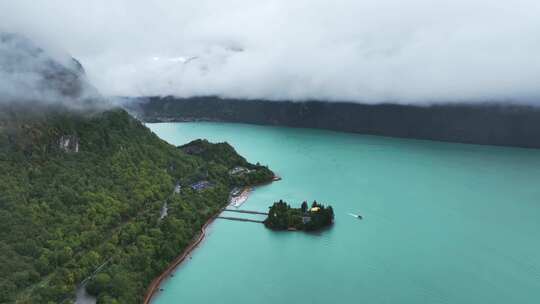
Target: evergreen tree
[[304, 207]]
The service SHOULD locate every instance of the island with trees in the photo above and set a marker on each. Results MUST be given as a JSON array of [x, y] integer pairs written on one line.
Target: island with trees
[[282, 216]]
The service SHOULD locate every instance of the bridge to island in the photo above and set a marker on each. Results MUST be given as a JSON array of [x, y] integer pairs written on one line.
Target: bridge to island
[[241, 219], [246, 211]]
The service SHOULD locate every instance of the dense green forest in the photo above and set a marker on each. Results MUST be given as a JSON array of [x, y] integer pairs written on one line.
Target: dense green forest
[[84, 192], [282, 216]]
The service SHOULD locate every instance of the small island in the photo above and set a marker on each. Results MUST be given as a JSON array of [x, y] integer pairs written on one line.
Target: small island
[[282, 217]]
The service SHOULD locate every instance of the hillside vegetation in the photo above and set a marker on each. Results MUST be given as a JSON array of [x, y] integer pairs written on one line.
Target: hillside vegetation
[[82, 194]]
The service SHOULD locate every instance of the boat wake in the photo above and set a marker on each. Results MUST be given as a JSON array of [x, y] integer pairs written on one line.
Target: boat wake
[[358, 216]]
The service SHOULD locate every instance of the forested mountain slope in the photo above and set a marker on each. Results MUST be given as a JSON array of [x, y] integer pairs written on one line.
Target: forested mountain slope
[[83, 186], [488, 124], [67, 208]]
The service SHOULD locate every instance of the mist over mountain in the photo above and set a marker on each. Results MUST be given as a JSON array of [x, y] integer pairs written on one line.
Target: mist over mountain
[[256, 59], [31, 75], [413, 52]]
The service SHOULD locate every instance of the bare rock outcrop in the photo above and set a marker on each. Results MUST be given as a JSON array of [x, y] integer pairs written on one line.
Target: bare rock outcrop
[[69, 143]]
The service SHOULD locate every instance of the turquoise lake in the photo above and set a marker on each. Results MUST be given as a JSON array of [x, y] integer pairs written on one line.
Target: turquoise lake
[[443, 223]]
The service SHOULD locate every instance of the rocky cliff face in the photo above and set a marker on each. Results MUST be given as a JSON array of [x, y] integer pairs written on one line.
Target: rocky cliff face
[[488, 124], [69, 143]]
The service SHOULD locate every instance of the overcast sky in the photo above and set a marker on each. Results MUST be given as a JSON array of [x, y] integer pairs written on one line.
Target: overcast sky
[[367, 51]]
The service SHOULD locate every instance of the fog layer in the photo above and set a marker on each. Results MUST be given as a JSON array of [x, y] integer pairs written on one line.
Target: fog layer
[[407, 51]]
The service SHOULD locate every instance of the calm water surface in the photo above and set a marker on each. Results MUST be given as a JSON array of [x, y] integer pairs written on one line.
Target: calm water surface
[[443, 223]]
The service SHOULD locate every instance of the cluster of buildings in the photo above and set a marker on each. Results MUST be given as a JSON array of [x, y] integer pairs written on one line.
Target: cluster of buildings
[[306, 218], [199, 186], [238, 170]]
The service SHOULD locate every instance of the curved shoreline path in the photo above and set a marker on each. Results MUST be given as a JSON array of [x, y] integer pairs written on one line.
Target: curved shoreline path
[[152, 288], [178, 260]]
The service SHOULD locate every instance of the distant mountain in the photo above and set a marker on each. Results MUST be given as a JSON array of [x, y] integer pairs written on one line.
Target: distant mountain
[[486, 124]]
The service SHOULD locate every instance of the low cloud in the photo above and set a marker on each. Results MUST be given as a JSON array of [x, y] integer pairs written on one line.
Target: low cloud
[[29, 74], [414, 51]]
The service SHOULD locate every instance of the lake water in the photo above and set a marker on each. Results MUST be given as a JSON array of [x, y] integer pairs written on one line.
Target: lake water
[[443, 223]]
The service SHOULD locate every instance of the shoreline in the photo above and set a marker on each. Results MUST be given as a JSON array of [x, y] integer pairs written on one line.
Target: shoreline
[[240, 199], [152, 120], [154, 285], [415, 121]]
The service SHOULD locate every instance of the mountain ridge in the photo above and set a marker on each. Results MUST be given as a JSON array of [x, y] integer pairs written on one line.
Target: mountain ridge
[[511, 125]]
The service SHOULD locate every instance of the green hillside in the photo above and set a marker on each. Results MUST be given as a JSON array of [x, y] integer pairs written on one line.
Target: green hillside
[[80, 191]]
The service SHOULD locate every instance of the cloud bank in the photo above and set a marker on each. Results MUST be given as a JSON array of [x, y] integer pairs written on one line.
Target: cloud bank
[[407, 51], [29, 75]]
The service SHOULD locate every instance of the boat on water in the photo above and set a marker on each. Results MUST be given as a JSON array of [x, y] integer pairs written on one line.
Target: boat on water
[[358, 216]]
